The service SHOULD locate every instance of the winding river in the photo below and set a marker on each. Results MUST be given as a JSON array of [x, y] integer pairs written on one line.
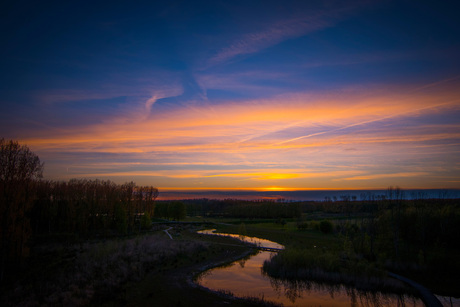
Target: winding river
[[244, 278]]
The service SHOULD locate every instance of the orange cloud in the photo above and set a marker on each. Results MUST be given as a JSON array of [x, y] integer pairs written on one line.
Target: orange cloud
[[380, 176], [321, 135]]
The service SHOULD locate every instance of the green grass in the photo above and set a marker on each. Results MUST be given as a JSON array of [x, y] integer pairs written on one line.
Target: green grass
[[289, 235]]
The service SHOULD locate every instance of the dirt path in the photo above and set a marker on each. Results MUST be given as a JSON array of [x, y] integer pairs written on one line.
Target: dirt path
[[169, 235]]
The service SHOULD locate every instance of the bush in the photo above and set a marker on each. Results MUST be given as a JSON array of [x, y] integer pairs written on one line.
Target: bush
[[326, 226], [146, 222], [314, 225], [242, 230], [121, 219], [302, 226], [325, 266]]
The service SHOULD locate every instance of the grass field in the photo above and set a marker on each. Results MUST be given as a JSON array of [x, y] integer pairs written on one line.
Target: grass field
[[287, 235]]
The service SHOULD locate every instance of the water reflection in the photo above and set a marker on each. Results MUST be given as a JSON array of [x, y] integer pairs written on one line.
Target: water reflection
[[245, 278], [300, 292], [253, 240]]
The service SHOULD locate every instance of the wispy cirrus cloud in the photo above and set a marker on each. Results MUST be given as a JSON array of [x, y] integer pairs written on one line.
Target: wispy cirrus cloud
[[248, 83], [390, 175], [252, 119], [278, 31], [160, 94]]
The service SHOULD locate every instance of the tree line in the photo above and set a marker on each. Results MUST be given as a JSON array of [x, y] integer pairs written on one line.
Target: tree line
[[83, 206], [80, 207], [417, 236], [236, 208], [173, 210]]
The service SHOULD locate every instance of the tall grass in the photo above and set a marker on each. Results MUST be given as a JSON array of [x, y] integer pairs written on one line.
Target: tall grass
[[99, 269], [324, 266]]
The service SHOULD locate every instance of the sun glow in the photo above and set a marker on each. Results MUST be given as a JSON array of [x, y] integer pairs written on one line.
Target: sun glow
[[274, 189]]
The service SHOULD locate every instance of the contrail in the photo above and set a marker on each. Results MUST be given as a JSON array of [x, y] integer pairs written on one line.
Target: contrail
[[360, 123]]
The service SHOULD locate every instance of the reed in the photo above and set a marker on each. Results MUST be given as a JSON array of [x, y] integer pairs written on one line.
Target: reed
[[84, 273]]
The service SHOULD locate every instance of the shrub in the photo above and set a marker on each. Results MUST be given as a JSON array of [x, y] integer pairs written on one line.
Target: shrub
[[302, 226], [121, 219], [242, 230], [326, 226], [314, 225], [146, 222]]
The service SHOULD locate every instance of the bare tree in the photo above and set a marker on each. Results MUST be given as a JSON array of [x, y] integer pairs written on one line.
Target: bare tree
[[19, 170]]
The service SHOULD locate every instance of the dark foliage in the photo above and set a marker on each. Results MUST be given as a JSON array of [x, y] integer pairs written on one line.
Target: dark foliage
[[326, 226], [174, 210], [19, 170], [243, 209], [87, 207]]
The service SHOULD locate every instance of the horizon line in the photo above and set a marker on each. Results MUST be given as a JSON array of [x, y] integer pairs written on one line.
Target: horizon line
[[279, 189]]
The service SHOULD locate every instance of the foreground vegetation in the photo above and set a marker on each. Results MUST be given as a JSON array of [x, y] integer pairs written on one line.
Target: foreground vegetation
[[141, 270], [89, 272]]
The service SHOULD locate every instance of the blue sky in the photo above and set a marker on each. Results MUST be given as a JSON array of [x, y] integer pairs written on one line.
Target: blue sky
[[264, 95]]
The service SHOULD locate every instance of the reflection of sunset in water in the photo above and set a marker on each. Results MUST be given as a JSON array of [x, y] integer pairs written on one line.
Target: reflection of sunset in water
[[245, 278], [253, 240]]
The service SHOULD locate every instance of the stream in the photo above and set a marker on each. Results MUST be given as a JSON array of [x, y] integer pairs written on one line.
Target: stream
[[244, 278]]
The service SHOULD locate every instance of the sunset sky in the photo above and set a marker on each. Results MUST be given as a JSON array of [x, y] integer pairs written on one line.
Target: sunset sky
[[266, 95]]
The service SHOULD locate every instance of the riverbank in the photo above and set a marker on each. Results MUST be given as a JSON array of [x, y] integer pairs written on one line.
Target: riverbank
[[292, 290], [143, 270], [443, 284], [176, 286]]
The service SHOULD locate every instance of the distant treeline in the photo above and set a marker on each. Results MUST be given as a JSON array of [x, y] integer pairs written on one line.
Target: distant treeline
[[87, 206], [423, 232], [173, 210], [240, 208], [271, 209]]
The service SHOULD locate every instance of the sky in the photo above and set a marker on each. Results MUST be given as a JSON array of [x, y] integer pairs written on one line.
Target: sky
[[264, 95]]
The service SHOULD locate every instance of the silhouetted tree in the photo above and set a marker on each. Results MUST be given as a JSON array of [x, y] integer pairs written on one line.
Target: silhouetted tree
[[178, 210], [19, 170], [120, 219], [146, 222]]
